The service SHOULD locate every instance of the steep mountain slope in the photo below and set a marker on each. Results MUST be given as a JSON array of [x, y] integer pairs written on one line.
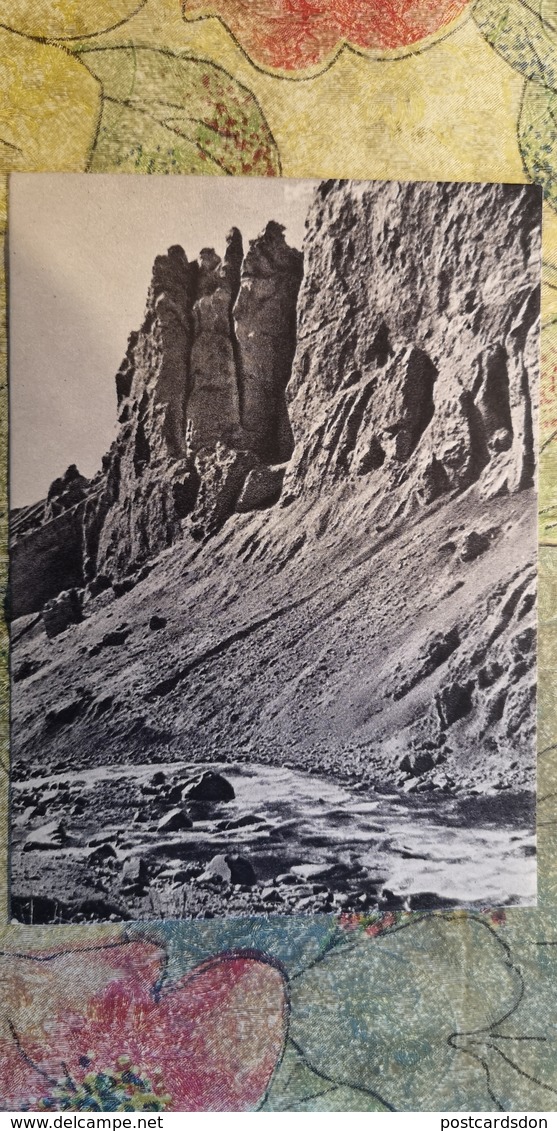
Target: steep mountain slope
[[340, 649], [339, 578]]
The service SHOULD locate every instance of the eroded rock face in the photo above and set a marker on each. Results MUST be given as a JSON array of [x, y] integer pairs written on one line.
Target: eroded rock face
[[222, 473], [265, 328], [62, 611], [414, 368], [369, 611], [46, 556], [262, 488], [424, 367], [66, 492], [205, 375], [213, 405], [411, 365]]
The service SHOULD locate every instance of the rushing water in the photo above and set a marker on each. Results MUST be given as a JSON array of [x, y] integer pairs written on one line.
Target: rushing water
[[410, 845], [477, 853]]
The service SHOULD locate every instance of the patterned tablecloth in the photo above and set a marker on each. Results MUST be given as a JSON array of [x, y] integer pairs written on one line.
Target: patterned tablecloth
[[399, 1011]]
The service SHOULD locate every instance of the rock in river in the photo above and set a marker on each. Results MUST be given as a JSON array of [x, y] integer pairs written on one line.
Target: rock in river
[[230, 870], [173, 821], [209, 787]]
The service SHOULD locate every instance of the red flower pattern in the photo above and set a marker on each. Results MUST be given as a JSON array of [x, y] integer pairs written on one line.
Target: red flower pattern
[[297, 34], [213, 1038]]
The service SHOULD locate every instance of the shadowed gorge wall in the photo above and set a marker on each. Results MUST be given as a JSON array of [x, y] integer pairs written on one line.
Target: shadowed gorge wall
[[406, 359]]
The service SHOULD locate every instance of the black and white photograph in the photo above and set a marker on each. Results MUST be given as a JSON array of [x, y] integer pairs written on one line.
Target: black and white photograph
[[273, 495]]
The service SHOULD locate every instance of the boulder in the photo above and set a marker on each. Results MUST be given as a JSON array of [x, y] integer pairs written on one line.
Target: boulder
[[229, 869], [308, 903], [475, 543], [115, 637], [119, 588], [209, 787], [417, 762], [389, 901], [50, 836], [98, 585], [313, 871], [62, 611], [67, 711], [26, 669], [262, 488], [271, 895], [27, 816], [429, 901], [102, 854], [454, 701], [242, 822], [135, 873], [174, 821]]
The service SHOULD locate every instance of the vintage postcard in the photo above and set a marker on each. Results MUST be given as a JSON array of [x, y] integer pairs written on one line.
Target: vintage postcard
[[272, 545]]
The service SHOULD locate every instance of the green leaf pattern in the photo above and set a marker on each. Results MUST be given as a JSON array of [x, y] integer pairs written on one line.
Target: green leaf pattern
[[524, 33], [537, 133], [169, 113]]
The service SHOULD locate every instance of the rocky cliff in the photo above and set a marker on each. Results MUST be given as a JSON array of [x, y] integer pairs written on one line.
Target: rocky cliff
[[201, 399], [409, 363], [438, 391], [201, 404], [344, 454]]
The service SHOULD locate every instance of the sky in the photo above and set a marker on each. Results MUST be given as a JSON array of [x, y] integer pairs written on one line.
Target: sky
[[81, 251]]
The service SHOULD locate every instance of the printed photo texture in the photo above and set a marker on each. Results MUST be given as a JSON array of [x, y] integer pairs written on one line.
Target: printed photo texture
[[272, 546]]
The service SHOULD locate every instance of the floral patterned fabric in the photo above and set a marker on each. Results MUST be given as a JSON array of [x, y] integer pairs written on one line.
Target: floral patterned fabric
[[289, 35]]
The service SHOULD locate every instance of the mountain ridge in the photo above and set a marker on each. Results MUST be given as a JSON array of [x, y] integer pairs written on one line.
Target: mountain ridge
[[409, 381], [308, 563]]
